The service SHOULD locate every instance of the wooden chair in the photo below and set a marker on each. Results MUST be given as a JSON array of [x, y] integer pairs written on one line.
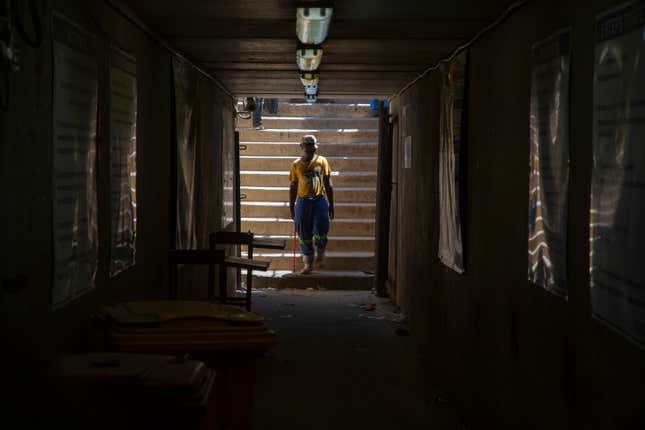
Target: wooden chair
[[251, 242], [210, 258]]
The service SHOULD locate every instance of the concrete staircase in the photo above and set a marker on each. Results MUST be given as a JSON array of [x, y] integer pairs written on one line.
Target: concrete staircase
[[348, 138]]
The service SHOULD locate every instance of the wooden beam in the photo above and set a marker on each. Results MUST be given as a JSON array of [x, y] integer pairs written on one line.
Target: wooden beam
[[325, 84], [290, 66], [227, 75], [205, 57], [412, 27], [212, 46]]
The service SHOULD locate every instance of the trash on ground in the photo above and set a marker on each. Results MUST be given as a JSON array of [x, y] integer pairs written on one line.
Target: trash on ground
[[395, 317], [402, 331]]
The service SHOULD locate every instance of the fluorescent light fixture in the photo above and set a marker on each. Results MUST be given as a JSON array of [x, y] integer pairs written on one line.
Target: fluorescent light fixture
[[308, 59], [311, 93], [309, 78], [312, 24], [311, 89]]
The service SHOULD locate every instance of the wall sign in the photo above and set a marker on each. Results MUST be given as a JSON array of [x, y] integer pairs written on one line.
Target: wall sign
[[549, 163], [451, 252], [618, 179], [406, 139], [187, 117], [123, 160], [74, 195]]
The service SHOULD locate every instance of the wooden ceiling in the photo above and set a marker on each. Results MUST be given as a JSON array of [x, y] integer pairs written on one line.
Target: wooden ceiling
[[374, 47]]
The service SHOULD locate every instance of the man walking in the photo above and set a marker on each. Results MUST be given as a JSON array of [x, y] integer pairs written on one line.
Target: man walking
[[310, 178]]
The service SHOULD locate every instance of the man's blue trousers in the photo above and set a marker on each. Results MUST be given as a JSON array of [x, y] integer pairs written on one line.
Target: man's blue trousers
[[312, 223]]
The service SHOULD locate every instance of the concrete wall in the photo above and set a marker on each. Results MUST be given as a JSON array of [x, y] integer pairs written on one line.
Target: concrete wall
[[32, 334], [509, 354]]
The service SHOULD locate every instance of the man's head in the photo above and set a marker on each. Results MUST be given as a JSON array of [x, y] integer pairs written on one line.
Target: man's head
[[309, 145]]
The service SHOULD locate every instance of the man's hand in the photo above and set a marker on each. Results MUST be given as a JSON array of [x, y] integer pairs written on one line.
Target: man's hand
[[331, 212]]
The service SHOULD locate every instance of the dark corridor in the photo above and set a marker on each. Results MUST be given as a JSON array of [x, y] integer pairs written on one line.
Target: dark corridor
[[483, 267]]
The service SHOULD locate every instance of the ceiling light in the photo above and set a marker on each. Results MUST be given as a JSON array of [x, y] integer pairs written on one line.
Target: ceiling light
[[312, 24], [310, 78], [308, 59], [311, 89], [311, 93]]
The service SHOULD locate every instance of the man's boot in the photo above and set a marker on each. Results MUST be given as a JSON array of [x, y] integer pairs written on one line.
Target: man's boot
[[320, 259], [309, 261]]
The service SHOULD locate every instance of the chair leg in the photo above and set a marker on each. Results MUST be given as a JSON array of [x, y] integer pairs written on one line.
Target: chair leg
[[222, 283], [211, 282], [249, 288], [173, 289]]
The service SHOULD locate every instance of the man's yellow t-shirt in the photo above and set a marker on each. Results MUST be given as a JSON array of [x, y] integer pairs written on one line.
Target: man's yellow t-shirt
[[309, 175]]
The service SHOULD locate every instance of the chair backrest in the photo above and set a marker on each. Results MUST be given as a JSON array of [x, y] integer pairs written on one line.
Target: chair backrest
[[201, 257], [232, 238]]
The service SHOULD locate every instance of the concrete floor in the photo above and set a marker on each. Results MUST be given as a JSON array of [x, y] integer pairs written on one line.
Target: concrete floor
[[341, 363]]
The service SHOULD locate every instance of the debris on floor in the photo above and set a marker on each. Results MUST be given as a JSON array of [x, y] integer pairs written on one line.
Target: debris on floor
[[402, 331]]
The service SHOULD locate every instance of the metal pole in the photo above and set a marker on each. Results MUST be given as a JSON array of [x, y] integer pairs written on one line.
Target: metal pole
[[294, 249], [383, 197]]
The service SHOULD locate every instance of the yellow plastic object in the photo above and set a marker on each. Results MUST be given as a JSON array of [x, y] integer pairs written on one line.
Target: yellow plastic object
[[157, 312]]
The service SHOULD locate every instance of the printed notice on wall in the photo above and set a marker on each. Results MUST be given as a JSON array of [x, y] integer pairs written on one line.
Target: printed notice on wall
[[405, 138], [407, 152], [74, 194], [123, 160], [618, 178], [549, 163], [451, 252], [188, 112]]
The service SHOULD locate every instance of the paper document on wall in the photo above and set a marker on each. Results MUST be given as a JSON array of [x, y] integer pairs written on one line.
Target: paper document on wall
[[406, 140], [549, 163], [618, 179], [451, 252], [407, 152], [123, 160], [187, 120], [74, 160], [228, 167]]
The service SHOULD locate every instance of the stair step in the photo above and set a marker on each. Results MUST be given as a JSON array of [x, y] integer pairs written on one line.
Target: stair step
[[322, 135], [257, 209], [336, 244], [365, 149], [281, 194], [333, 261], [323, 279], [313, 122], [279, 162], [325, 109], [284, 226], [281, 178]]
